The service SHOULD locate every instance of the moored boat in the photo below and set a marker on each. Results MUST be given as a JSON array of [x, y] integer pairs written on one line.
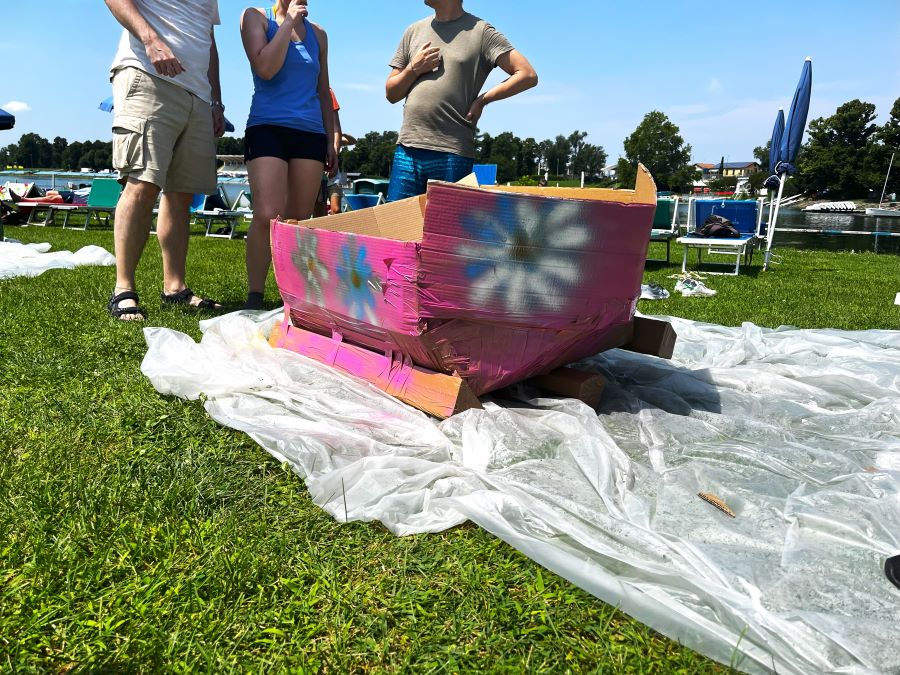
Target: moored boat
[[884, 212], [441, 298], [881, 211], [831, 207]]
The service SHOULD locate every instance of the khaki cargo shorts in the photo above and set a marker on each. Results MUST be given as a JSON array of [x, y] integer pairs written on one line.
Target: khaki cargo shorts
[[162, 134]]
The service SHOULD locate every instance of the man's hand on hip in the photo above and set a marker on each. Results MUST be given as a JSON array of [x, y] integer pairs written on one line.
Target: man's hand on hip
[[476, 109], [162, 58]]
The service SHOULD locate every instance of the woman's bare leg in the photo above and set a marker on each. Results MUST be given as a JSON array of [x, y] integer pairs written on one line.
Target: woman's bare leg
[[304, 178], [269, 190]]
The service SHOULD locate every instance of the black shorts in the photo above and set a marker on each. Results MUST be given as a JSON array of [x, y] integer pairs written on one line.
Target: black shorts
[[272, 140]]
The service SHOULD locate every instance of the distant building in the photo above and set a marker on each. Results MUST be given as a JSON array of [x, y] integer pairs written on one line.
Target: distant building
[[737, 169]]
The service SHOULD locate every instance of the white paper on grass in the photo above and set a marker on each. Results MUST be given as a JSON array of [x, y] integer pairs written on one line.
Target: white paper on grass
[[797, 430], [31, 260]]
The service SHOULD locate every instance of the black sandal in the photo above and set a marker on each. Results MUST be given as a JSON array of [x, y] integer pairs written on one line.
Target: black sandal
[[117, 312], [892, 570], [183, 298]]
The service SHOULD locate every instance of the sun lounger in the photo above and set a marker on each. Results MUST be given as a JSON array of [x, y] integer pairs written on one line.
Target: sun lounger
[[225, 219], [665, 224], [744, 215], [207, 210], [243, 204], [101, 204], [215, 211], [44, 206]]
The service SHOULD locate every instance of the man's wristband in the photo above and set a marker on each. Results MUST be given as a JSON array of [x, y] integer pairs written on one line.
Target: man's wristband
[[217, 104]]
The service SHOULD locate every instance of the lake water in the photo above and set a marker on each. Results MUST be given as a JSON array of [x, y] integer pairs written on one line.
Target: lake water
[[789, 220]]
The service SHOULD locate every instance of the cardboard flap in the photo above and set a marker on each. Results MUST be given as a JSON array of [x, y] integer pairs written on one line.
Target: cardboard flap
[[471, 180], [401, 221]]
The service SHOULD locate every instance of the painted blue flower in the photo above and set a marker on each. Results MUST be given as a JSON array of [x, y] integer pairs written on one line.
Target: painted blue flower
[[358, 284], [310, 268]]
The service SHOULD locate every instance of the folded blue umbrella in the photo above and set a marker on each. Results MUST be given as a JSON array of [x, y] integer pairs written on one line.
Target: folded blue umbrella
[[791, 138], [7, 121], [106, 105], [775, 150], [796, 122]]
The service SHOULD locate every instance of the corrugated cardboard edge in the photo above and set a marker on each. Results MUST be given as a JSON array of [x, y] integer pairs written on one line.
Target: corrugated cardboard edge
[[644, 191]]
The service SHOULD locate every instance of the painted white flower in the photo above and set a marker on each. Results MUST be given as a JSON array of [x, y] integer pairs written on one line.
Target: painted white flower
[[522, 253], [311, 269]]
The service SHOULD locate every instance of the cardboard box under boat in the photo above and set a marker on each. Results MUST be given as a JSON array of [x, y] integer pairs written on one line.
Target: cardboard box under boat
[[444, 297]]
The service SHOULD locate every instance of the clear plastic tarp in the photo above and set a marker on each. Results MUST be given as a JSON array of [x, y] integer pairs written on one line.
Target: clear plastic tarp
[[797, 431], [31, 260]]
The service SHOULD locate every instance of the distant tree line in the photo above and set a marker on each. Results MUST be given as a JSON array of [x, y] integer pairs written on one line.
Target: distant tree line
[[372, 154], [35, 152], [846, 155], [515, 157]]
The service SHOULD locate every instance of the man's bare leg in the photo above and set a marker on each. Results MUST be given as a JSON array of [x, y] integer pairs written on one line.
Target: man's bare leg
[[173, 230], [131, 229]]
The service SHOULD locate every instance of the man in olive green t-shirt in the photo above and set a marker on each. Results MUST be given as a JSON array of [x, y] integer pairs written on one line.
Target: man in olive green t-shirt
[[439, 68]]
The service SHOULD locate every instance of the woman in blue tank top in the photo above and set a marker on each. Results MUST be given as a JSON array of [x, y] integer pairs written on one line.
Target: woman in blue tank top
[[289, 134]]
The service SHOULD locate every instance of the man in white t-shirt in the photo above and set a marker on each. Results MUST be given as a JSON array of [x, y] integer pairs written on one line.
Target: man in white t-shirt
[[168, 113]]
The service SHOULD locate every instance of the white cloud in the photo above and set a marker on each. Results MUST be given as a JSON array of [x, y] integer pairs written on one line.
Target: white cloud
[[714, 86], [16, 107]]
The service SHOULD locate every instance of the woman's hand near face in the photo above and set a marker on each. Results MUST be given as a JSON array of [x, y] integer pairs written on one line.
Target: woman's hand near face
[[297, 11]]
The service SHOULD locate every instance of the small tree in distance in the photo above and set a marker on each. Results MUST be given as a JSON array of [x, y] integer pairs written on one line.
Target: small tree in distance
[[657, 144]]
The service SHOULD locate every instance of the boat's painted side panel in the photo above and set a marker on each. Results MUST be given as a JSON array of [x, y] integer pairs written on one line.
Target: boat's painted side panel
[[352, 280], [529, 260]]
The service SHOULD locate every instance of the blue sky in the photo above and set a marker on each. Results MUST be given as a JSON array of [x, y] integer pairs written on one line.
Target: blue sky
[[719, 70]]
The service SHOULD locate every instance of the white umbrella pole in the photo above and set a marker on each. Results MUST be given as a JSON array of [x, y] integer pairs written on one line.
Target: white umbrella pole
[[884, 189], [770, 235]]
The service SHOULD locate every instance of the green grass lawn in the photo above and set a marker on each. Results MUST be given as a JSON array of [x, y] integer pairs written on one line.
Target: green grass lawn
[[136, 534]]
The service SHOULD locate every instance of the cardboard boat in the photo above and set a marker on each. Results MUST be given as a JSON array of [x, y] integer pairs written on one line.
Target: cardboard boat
[[441, 298]]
